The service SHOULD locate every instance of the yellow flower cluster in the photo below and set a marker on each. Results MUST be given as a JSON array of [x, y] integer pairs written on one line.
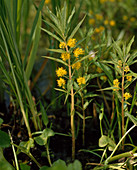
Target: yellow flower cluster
[[61, 83], [103, 1], [65, 56], [61, 72], [132, 19], [99, 16], [81, 80], [99, 70], [62, 45], [91, 21], [126, 69], [76, 66], [127, 96], [125, 18], [78, 51], [116, 84], [129, 78], [99, 29], [112, 23], [72, 42], [47, 1]]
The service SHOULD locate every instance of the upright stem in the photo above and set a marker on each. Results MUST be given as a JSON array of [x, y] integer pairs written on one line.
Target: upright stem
[[72, 110], [83, 135], [122, 106], [48, 155]]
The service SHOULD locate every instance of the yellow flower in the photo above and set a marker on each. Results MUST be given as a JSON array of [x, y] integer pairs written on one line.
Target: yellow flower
[[61, 83], [72, 42], [97, 30], [104, 78], [47, 1], [76, 66], [129, 78], [99, 16], [91, 21], [106, 22], [116, 82], [112, 23], [61, 72], [101, 28], [125, 18], [102, 1], [78, 51], [119, 64], [132, 19], [127, 96], [62, 45], [126, 69], [65, 56], [99, 70], [91, 12], [112, 0], [81, 80]]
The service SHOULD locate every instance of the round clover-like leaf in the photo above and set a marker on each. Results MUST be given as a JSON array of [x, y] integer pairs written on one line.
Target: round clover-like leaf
[[4, 139]]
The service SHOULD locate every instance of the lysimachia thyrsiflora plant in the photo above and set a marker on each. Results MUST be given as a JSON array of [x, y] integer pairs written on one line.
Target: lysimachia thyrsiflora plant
[[122, 78], [71, 79]]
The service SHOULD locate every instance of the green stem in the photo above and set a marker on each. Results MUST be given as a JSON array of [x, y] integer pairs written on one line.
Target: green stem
[[17, 87], [27, 153], [83, 135], [48, 155], [109, 158], [122, 106], [15, 156], [72, 110]]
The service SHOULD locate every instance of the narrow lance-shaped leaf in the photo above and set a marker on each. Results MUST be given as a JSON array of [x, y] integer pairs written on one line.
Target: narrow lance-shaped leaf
[[33, 52], [56, 59], [129, 45], [118, 49], [53, 35], [56, 50], [76, 28], [55, 28], [32, 32], [71, 15]]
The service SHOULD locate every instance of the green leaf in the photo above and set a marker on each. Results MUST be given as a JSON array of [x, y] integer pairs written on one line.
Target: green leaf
[[90, 94], [55, 28], [1, 121], [132, 118], [71, 15], [4, 164], [44, 115], [129, 45], [118, 49], [76, 28], [24, 167], [103, 141], [56, 50], [54, 19], [42, 139], [4, 139], [111, 145], [32, 57], [56, 59], [26, 145], [76, 165], [32, 32], [53, 35]]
